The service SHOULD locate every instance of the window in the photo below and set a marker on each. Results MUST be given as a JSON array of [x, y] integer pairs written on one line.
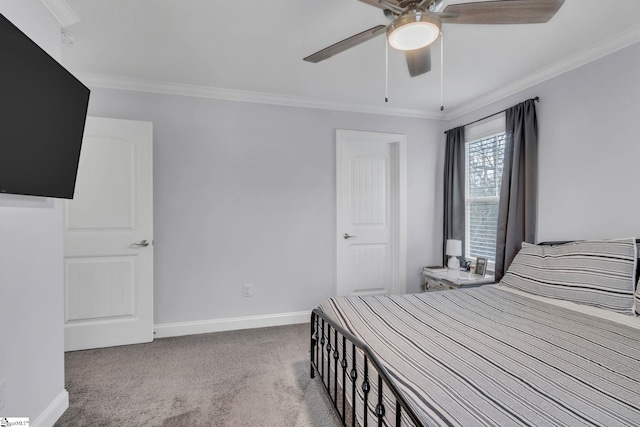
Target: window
[[485, 145]]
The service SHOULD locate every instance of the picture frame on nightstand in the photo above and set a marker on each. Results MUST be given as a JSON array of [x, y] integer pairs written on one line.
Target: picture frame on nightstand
[[481, 266]]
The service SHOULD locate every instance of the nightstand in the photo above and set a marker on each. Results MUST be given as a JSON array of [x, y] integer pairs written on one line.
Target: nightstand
[[440, 279]]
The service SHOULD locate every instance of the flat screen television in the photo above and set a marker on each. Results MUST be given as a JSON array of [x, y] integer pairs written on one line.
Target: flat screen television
[[43, 109]]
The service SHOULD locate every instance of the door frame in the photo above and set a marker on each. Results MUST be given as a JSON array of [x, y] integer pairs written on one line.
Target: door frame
[[398, 206]]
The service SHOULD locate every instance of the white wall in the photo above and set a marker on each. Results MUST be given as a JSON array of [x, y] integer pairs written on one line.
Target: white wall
[[588, 148], [245, 193], [31, 275]]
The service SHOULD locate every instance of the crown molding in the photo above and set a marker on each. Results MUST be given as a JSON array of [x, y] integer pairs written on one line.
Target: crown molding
[[600, 50], [61, 10], [122, 83]]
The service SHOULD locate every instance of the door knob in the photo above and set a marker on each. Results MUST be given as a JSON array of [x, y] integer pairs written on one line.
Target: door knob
[[346, 236], [141, 244]]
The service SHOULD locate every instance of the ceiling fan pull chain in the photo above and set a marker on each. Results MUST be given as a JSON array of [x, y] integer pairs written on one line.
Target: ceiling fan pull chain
[[441, 72], [386, 70]]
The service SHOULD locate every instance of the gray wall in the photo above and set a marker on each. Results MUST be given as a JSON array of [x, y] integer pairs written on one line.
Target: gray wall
[[31, 275], [589, 150], [245, 193]]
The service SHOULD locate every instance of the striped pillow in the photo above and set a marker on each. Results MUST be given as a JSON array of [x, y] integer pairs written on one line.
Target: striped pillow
[[597, 272]]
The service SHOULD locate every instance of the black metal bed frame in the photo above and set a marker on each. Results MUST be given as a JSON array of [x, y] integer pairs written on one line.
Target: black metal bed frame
[[318, 361], [321, 356]]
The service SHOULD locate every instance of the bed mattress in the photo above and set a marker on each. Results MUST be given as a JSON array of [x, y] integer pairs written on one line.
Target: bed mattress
[[489, 357]]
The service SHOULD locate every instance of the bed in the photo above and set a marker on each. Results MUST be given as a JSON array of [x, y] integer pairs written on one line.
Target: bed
[[557, 342]]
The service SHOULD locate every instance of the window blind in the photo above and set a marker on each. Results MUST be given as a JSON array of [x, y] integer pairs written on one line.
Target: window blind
[[483, 180]]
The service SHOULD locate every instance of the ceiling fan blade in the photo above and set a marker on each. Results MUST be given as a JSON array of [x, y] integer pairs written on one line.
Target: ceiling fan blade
[[419, 61], [345, 44], [502, 12]]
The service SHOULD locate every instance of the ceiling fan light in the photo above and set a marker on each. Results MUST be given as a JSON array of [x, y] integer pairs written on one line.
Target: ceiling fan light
[[413, 30]]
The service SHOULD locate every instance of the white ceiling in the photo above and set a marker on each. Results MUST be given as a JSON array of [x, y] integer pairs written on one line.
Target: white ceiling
[[254, 50]]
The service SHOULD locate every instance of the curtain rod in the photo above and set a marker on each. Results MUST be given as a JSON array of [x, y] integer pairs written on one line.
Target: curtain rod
[[536, 99]]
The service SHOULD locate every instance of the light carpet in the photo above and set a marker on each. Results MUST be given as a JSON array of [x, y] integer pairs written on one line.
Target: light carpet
[[255, 377]]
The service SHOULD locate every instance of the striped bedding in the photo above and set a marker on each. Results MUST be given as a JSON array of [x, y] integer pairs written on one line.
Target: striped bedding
[[489, 357]]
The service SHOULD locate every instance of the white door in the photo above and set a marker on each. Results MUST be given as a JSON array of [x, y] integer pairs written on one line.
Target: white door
[[108, 238], [371, 230]]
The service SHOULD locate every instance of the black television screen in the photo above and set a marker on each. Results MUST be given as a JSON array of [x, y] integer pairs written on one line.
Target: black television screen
[[43, 109]]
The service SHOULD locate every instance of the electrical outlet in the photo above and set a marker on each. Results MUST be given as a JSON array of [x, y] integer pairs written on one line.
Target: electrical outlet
[[1, 395], [247, 290]]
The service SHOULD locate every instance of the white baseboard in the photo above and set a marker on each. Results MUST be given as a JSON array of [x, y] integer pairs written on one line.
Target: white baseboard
[[164, 330], [53, 412]]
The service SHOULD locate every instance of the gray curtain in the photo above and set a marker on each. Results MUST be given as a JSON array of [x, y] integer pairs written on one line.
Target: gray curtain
[[454, 165], [518, 195]]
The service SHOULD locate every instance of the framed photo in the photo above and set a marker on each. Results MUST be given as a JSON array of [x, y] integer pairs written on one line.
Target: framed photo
[[481, 266]]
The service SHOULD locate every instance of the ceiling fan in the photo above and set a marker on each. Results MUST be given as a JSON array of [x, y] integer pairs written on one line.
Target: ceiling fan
[[416, 24]]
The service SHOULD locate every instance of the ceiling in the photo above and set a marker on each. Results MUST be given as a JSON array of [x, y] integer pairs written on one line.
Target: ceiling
[[253, 51]]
